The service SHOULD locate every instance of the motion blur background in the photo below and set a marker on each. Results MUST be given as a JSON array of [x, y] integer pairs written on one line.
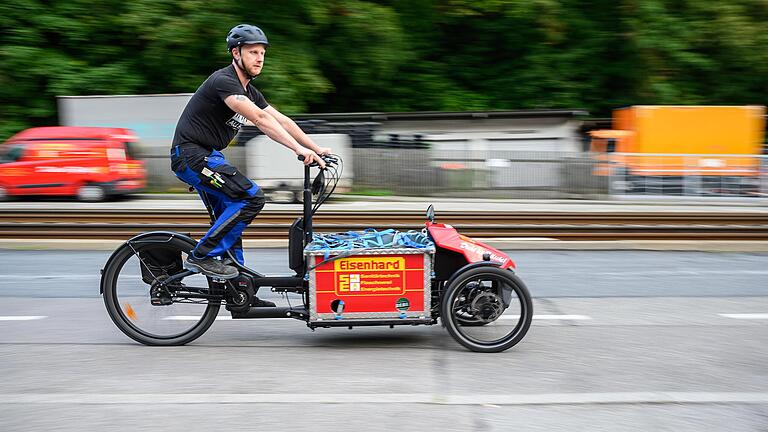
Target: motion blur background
[[352, 55], [660, 325], [519, 85]]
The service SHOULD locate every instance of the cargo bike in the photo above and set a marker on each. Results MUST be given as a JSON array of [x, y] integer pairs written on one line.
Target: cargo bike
[[352, 279]]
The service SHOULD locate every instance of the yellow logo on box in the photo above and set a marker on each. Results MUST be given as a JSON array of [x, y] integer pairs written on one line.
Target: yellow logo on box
[[370, 264], [365, 275]]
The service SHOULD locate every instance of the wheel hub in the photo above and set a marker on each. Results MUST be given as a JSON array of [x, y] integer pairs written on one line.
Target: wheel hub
[[487, 306]]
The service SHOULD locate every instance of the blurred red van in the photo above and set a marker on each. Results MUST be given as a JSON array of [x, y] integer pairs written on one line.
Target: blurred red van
[[90, 163]]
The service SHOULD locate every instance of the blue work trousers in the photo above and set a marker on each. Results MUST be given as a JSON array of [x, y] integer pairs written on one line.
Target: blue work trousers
[[234, 199]]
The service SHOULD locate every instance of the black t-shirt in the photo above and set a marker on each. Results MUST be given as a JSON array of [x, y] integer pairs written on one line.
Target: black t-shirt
[[207, 121]]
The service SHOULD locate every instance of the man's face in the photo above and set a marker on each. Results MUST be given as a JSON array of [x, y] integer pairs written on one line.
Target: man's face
[[252, 56]]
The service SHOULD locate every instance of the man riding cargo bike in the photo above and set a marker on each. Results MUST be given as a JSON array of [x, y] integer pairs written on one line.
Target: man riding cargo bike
[[219, 108], [358, 278]]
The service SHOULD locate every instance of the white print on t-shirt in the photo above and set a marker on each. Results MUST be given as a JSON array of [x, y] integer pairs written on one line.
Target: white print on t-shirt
[[237, 121]]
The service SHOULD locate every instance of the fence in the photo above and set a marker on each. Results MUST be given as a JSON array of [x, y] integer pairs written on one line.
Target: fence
[[414, 167], [478, 173], [557, 175], [685, 174]]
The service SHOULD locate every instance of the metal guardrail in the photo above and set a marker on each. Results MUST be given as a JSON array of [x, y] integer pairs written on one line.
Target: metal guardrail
[[122, 224]]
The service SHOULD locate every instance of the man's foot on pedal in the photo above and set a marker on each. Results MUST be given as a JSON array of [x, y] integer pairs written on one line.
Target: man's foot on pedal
[[210, 267], [257, 302]]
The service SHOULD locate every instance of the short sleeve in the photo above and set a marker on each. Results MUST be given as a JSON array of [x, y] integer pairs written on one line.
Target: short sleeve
[[226, 86], [258, 98]]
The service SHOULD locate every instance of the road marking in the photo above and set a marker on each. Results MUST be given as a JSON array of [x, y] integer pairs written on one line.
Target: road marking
[[683, 273], [22, 318], [389, 398], [753, 316], [504, 317], [548, 317], [746, 316], [53, 276]]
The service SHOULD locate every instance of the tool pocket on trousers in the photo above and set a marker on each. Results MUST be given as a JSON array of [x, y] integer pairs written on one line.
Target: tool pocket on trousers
[[231, 181]]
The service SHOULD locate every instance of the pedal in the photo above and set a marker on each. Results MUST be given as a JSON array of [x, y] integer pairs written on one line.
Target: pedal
[[161, 301], [159, 298]]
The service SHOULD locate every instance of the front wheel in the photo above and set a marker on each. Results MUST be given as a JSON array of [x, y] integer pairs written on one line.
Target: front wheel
[[487, 309], [182, 311], [91, 192]]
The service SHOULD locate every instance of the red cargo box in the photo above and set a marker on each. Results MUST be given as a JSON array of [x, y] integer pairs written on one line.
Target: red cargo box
[[373, 284]]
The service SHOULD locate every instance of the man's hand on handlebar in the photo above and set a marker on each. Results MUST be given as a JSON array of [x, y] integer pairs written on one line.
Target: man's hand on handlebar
[[324, 151], [327, 159], [308, 156]]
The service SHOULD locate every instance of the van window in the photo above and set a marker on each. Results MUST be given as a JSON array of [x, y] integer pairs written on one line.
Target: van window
[[11, 153], [132, 150]]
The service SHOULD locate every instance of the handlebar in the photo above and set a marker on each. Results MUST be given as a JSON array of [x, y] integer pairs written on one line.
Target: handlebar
[[328, 159]]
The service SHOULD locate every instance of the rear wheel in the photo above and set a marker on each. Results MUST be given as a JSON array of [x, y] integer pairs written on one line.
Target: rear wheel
[[131, 282], [487, 309]]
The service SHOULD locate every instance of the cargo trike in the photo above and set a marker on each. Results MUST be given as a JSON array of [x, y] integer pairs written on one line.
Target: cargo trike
[[350, 279]]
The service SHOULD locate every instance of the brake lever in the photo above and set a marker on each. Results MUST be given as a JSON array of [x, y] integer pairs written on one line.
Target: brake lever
[[326, 158], [318, 183]]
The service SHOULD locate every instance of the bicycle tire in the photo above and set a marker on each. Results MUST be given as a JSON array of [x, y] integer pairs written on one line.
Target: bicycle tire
[[458, 328], [120, 317]]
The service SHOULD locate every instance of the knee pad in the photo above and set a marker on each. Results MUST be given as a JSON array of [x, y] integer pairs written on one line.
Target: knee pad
[[254, 205]]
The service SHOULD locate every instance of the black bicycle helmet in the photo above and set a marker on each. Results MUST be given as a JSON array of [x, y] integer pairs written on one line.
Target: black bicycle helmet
[[245, 34]]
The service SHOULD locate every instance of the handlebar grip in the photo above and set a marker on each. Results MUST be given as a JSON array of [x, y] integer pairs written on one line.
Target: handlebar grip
[[328, 159]]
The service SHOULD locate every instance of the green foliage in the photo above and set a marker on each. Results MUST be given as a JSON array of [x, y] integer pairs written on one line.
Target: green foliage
[[391, 55]]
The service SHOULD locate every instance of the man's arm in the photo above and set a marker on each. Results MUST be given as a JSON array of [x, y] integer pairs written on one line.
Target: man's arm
[[269, 125], [292, 128]]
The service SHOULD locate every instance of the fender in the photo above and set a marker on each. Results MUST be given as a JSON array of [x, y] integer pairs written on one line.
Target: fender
[[470, 266], [147, 237], [447, 237]]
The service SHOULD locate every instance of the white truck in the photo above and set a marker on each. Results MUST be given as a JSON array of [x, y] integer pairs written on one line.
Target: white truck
[[277, 170]]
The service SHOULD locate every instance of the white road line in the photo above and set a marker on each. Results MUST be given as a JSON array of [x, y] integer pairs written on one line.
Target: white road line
[[746, 316], [504, 317], [683, 273], [54, 276], [22, 318], [548, 317], [389, 398]]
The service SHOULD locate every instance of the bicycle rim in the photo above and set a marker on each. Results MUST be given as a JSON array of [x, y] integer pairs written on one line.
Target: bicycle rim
[[132, 303], [489, 310]]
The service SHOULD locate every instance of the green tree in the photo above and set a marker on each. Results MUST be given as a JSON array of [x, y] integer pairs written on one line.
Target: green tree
[[391, 55]]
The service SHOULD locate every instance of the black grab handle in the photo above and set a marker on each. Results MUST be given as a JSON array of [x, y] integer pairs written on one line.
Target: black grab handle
[[328, 159]]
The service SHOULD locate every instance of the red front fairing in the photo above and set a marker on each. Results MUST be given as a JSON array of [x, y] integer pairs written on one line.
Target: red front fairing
[[446, 237]]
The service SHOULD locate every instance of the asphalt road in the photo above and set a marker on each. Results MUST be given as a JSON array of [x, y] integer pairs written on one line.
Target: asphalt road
[[621, 341]]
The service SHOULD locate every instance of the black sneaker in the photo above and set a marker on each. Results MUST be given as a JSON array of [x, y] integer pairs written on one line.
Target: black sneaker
[[210, 267], [257, 302]]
